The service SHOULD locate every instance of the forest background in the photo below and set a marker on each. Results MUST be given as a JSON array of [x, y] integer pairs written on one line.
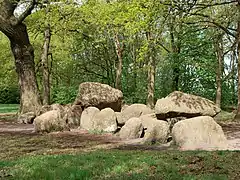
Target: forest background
[[146, 48]]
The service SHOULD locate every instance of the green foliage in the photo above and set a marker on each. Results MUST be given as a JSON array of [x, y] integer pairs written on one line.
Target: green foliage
[[8, 77], [64, 94], [82, 47], [9, 95]]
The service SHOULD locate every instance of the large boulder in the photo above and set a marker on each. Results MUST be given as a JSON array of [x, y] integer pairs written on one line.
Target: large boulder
[[132, 129], [172, 121], [179, 104], [72, 115], [50, 121], [99, 95], [134, 110], [87, 116], [105, 120], [26, 118], [124, 106], [199, 133], [46, 108], [154, 130], [69, 113], [147, 118]]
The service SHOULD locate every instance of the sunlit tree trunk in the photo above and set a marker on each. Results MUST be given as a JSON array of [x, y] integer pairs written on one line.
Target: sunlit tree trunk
[[151, 72], [119, 51], [23, 53]]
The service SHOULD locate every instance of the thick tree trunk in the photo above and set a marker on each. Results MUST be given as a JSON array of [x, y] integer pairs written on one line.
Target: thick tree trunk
[[119, 50], [219, 71], [237, 117], [151, 73], [24, 60], [23, 53], [45, 66]]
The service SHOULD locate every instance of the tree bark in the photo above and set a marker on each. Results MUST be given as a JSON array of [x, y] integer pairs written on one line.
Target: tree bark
[[45, 66], [25, 67], [237, 117], [219, 70], [233, 76], [119, 51], [176, 70], [23, 53], [151, 72]]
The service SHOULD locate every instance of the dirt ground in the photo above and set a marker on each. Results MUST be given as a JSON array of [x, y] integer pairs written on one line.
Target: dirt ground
[[232, 132], [19, 140]]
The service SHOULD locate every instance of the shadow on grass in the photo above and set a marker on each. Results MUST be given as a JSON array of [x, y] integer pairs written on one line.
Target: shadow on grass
[[117, 164]]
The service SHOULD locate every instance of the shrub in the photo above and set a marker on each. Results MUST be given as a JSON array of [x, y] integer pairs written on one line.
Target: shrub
[[9, 95], [64, 95]]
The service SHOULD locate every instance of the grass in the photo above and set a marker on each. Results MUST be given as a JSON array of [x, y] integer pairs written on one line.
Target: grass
[[116, 164], [9, 108]]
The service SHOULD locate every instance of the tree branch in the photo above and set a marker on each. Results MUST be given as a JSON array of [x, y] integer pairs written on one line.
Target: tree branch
[[27, 12], [166, 49], [226, 30], [216, 4]]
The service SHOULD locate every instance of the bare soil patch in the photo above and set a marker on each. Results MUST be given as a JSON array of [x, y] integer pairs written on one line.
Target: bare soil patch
[[232, 131]]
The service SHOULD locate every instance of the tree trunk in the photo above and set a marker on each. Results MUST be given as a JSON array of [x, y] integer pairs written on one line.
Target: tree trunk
[[135, 75], [151, 72], [23, 53], [119, 50], [233, 76], [237, 117], [25, 67], [219, 71], [176, 70], [45, 66]]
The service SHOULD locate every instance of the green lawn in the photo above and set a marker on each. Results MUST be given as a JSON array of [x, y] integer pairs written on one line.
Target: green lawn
[[9, 108], [124, 164]]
